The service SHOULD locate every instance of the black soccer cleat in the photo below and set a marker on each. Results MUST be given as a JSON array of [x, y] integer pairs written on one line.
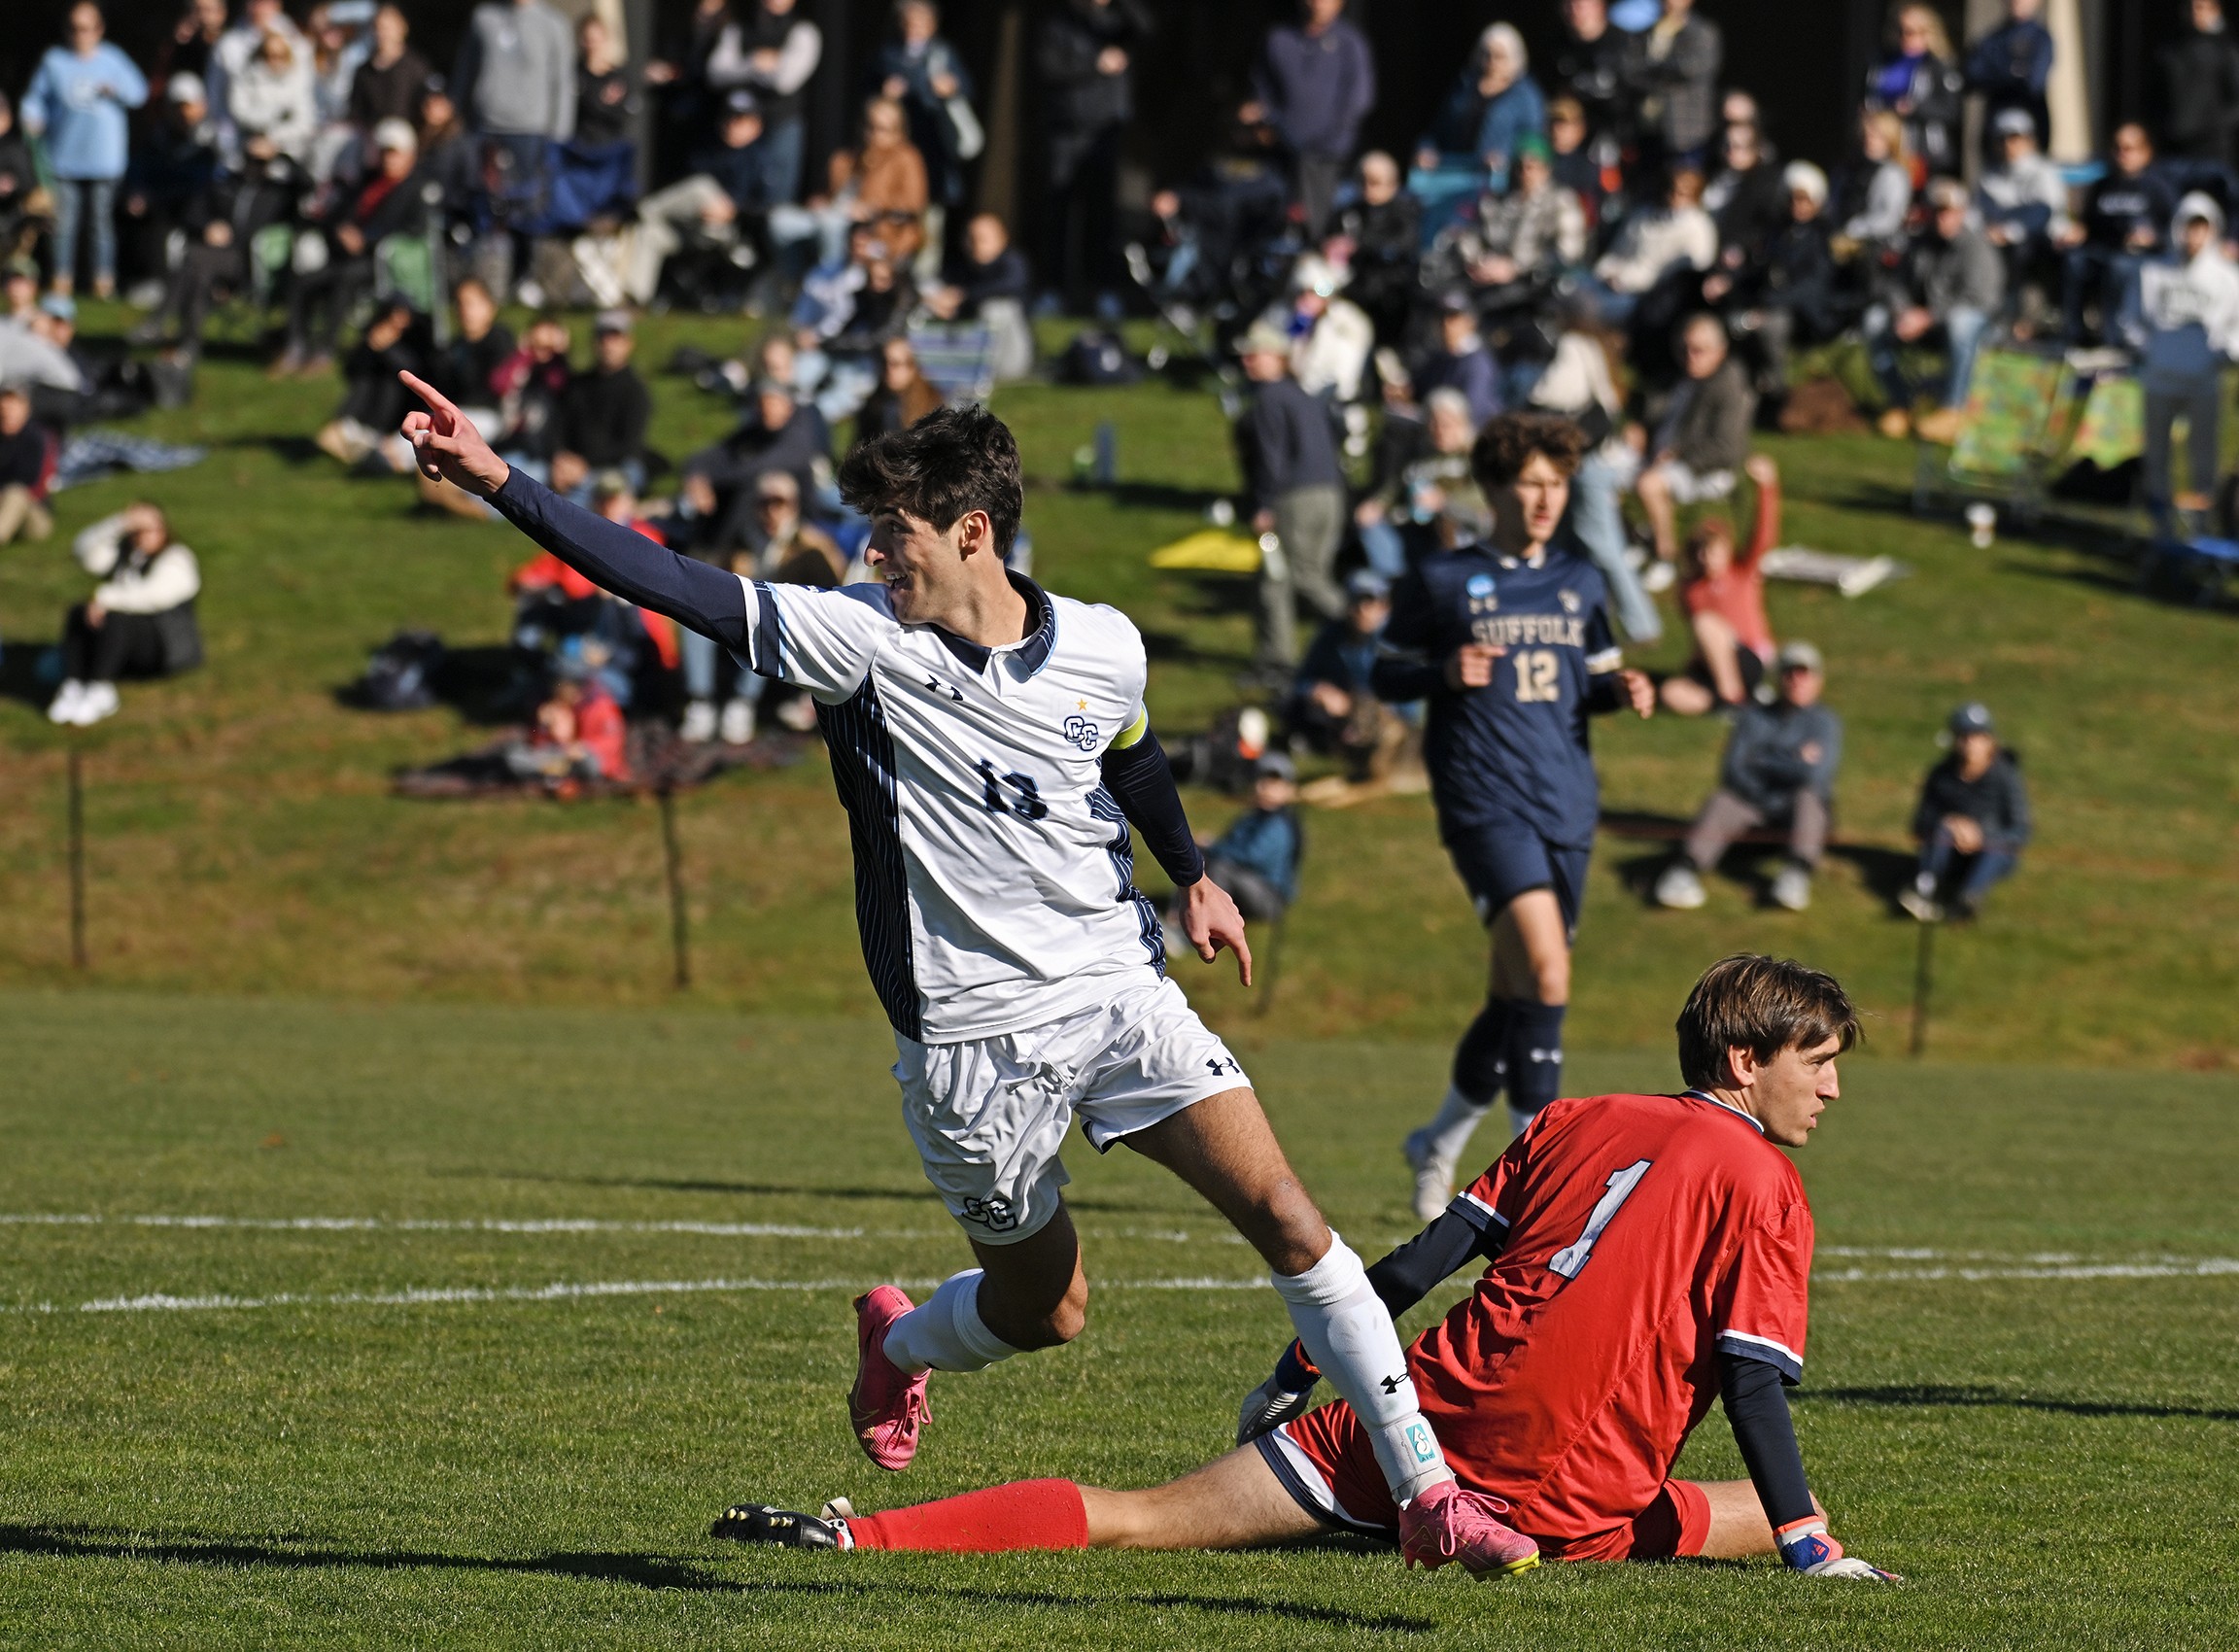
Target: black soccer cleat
[[759, 1522]]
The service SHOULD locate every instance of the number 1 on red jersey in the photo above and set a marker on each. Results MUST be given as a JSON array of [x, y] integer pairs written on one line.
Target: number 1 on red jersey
[[1570, 1261]]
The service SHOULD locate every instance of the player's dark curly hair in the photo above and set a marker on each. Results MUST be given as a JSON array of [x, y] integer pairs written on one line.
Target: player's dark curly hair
[[1507, 443], [1762, 1005], [952, 461]]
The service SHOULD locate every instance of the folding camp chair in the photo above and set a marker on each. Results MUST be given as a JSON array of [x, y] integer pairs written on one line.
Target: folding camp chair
[[404, 267], [960, 361], [2008, 434]]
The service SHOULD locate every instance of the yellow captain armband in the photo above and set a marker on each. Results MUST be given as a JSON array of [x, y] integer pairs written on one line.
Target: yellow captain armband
[[1137, 727]]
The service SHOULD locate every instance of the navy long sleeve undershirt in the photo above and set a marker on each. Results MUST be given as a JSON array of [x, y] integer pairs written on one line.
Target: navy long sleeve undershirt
[[619, 558], [1138, 777], [713, 602]]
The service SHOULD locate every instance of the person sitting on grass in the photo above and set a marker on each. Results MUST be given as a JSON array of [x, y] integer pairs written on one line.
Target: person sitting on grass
[[1724, 596], [1333, 708], [140, 620], [1701, 442], [1779, 771], [363, 430], [26, 468], [1643, 1255], [1971, 822], [1257, 859], [1945, 291], [580, 735]]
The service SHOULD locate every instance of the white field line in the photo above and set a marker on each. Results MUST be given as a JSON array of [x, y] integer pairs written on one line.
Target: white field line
[[162, 1302], [555, 1225]]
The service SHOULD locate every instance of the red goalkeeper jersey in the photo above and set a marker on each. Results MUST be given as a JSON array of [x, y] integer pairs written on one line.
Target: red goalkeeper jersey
[[1647, 1233]]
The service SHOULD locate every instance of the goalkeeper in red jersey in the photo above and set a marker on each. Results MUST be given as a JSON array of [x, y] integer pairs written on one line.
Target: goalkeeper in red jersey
[[1644, 1255]]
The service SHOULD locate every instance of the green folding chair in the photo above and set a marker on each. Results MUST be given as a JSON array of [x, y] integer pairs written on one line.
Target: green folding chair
[[2009, 434], [404, 266]]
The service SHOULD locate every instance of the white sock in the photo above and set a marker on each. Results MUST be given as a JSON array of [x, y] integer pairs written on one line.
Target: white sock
[[1458, 1116], [1520, 1119], [1348, 1333], [946, 1331]]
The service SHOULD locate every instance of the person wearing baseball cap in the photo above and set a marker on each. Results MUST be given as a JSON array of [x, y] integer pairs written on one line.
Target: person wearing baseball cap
[[387, 203], [1297, 485], [1972, 820], [603, 413], [1779, 771], [1332, 708], [1257, 859]]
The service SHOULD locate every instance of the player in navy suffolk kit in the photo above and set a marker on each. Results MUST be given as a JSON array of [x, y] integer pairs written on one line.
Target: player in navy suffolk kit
[[1510, 643]]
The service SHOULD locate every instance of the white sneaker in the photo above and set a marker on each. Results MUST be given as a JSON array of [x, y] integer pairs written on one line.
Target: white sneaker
[[99, 700], [699, 724], [67, 700], [1433, 1176], [738, 725], [1681, 886], [1659, 578], [1792, 888], [1920, 906], [797, 713]]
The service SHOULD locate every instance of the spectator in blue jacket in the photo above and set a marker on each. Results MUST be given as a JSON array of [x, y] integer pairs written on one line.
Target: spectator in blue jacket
[[1257, 859], [1333, 707], [1779, 771], [1493, 106], [77, 102], [1972, 820], [1462, 360], [2009, 66], [1315, 83]]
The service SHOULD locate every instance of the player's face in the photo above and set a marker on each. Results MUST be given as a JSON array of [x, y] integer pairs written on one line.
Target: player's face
[[1793, 1089], [923, 569], [1542, 492]]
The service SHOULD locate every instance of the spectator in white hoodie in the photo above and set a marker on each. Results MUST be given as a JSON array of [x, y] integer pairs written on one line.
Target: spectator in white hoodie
[[140, 620], [273, 99], [2190, 307]]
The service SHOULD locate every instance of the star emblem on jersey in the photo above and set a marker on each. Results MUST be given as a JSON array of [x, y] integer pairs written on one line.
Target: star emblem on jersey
[[1081, 732]]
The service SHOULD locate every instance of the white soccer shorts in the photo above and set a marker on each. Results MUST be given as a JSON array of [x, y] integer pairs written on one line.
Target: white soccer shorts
[[989, 1115]]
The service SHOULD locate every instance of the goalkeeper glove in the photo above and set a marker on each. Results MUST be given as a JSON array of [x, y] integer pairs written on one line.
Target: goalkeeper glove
[[1282, 1397], [1807, 1547]]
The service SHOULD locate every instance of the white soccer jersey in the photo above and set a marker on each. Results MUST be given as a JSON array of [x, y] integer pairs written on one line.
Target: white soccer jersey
[[994, 874]]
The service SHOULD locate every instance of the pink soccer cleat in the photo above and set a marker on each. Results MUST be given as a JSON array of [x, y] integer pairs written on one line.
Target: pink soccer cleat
[[1449, 1524], [886, 1407]]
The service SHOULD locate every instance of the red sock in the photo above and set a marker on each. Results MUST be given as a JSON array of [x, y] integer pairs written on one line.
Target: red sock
[[1028, 1514]]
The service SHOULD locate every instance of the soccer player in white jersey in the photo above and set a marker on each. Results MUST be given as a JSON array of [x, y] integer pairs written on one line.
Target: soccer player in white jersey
[[991, 747]]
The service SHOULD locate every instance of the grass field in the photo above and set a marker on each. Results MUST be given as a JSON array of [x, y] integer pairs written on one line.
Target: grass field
[[389, 1257], [501, 1408], [241, 837]]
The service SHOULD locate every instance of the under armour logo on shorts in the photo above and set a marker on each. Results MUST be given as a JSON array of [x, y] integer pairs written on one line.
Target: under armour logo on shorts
[[1220, 1064], [994, 1213]]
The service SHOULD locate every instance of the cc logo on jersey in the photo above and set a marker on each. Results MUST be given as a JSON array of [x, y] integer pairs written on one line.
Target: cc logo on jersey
[[1081, 732]]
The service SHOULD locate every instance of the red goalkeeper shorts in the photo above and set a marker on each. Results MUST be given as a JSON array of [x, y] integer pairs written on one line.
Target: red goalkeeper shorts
[[1325, 1462]]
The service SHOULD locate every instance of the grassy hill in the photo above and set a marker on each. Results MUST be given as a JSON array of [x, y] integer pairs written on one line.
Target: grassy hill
[[241, 837]]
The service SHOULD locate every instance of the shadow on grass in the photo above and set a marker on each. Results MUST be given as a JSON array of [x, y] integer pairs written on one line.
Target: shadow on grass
[[1885, 871], [1969, 1398], [645, 1571], [492, 686]]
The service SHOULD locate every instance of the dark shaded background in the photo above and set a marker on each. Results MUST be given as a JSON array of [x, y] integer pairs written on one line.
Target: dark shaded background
[[1803, 59]]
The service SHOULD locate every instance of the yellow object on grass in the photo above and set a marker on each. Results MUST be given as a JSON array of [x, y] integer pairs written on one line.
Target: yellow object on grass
[[1215, 550]]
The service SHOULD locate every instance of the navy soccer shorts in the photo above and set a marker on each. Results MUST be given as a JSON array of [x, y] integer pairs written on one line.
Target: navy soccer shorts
[[1499, 859]]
